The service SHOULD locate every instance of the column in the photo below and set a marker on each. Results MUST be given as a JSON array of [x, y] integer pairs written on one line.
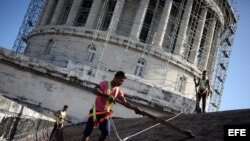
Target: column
[[93, 14], [198, 36], [214, 49], [116, 15], [57, 13], [46, 12], [208, 44], [42, 13], [73, 12], [181, 37], [160, 34], [139, 19]]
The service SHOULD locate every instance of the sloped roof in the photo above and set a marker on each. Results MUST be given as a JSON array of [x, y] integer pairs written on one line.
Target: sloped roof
[[205, 126]]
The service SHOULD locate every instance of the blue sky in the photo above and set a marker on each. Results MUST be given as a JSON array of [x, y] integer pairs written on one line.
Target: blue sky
[[237, 85]]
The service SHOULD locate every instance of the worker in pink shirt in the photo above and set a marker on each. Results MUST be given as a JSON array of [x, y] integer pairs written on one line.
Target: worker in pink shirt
[[108, 92]]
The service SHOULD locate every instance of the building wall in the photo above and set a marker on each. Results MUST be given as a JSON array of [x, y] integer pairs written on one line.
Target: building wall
[[158, 70], [176, 31], [19, 122], [50, 86]]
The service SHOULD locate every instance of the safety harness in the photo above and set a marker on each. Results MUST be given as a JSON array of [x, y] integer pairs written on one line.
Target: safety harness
[[108, 113], [203, 89]]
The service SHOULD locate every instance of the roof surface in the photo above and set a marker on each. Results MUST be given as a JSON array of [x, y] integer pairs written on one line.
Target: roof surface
[[205, 126]]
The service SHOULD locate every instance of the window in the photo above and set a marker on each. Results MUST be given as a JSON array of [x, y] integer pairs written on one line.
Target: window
[[140, 67], [181, 84], [169, 47], [91, 53], [145, 27], [49, 46], [150, 14], [108, 14], [83, 13], [65, 12], [51, 12]]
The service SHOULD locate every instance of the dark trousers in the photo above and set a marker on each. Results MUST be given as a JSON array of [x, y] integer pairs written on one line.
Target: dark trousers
[[200, 96], [104, 126], [56, 129]]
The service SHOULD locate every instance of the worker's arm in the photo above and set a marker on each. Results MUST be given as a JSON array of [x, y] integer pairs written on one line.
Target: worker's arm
[[97, 90], [128, 105], [195, 82], [57, 113], [66, 118], [209, 87]]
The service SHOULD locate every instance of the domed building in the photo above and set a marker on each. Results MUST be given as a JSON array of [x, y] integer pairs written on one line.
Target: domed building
[[160, 44]]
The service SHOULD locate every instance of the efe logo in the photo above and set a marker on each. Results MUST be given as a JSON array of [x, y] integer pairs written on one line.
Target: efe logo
[[236, 132]]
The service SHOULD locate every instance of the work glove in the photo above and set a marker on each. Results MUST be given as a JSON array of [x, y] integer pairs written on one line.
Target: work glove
[[111, 99], [138, 111]]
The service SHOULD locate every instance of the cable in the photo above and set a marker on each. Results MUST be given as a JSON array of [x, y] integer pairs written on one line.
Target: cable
[[128, 137], [116, 133]]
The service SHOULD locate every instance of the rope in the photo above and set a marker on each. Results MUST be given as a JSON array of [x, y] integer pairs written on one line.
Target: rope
[[128, 137], [116, 133]]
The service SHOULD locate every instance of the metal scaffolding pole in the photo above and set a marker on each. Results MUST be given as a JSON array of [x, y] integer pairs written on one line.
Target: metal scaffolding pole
[[29, 22]]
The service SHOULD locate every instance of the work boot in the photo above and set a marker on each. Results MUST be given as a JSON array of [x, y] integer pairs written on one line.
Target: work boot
[[85, 138], [203, 111], [102, 138]]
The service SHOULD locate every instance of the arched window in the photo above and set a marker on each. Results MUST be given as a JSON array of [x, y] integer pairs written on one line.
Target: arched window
[[49, 46], [140, 67], [181, 84], [91, 53]]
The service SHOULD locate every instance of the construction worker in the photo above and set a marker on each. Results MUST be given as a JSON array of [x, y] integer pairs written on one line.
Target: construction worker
[[60, 117], [107, 92], [204, 90]]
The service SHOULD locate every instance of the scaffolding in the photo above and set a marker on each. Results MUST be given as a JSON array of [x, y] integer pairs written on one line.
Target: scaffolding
[[158, 77], [29, 22], [223, 54]]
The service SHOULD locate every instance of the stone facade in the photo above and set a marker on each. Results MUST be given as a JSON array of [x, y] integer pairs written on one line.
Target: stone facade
[[22, 123], [161, 45], [50, 86]]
